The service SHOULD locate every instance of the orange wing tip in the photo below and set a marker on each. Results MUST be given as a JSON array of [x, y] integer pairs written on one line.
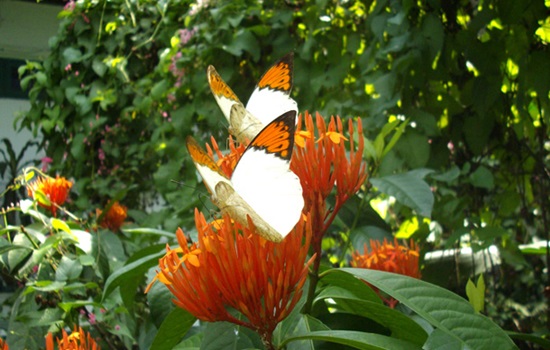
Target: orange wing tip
[[218, 86], [199, 155], [278, 136], [279, 76]]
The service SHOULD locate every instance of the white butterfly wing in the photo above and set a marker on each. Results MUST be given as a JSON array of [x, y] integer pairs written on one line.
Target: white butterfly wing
[[271, 97], [225, 97], [263, 177], [266, 104], [208, 169], [266, 183]]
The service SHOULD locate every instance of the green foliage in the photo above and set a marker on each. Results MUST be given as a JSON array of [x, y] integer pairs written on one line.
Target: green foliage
[[453, 97], [476, 293]]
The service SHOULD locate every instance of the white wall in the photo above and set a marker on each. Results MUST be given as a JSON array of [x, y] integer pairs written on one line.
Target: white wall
[[25, 28], [9, 109]]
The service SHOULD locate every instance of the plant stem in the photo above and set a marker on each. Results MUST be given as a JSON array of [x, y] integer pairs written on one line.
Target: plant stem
[[543, 179], [267, 339]]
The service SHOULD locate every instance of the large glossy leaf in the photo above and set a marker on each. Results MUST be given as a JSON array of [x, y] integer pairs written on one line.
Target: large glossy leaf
[[443, 309], [409, 189], [172, 330], [345, 286], [358, 340], [401, 326], [225, 336], [159, 299], [296, 325]]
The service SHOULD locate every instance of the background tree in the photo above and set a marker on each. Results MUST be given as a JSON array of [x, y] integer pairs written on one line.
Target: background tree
[[125, 83]]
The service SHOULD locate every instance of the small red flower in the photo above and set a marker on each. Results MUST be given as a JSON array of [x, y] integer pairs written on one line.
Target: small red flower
[[49, 192], [231, 266], [77, 340], [114, 218]]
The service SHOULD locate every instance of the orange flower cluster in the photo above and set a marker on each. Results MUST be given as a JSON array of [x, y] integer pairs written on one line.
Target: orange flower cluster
[[114, 218], [233, 267], [226, 162], [324, 165], [77, 340], [389, 257], [51, 193]]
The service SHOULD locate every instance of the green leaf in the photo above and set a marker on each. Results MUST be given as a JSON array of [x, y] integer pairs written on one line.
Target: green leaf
[[483, 178], [60, 225], [29, 175], [224, 335], [414, 148], [537, 248], [68, 269], [160, 302], [71, 55], [532, 338], [172, 330], [345, 285], [78, 145], [409, 189], [45, 286], [149, 231], [440, 340], [160, 89], [441, 308], [297, 324], [401, 326], [476, 293], [244, 41], [42, 198], [191, 343], [99, 67], [358, 340], [135, 269], [395, 137]]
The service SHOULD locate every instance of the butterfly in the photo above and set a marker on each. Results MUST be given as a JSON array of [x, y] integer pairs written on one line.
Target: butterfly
[[270, 99], [262, 188]]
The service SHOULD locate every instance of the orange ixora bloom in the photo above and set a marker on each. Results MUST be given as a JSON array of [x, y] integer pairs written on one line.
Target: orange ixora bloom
[[390, 257], [227, 162], [114, 218], [324, 165], [232, 267], [49, 192], [77, 340], [3, 345]]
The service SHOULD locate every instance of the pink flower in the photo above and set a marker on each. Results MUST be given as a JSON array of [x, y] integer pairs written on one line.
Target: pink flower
[[186, 35], [69, 6], [91, 318], [101, 154], [45, 162]]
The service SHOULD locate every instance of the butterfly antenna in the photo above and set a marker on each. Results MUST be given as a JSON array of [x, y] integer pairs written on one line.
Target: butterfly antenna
[[182, 184]]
